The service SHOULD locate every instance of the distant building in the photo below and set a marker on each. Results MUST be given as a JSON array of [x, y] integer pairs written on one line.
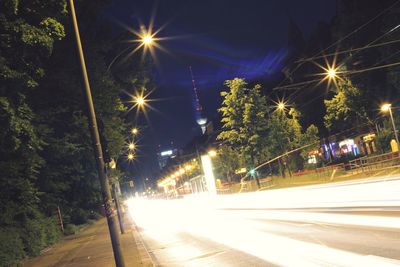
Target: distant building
[[165, 155]]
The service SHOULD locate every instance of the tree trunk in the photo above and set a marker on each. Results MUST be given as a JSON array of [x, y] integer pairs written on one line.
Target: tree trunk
[[281, 168], [288, 166]]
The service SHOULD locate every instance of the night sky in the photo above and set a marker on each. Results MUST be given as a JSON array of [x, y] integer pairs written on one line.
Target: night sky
[[220, 39]]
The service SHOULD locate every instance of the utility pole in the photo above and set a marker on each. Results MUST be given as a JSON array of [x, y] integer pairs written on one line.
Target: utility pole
[[105, 187], [119, 212]]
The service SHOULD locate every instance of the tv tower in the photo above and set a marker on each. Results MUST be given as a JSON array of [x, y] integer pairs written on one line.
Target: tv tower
[[200, 119]]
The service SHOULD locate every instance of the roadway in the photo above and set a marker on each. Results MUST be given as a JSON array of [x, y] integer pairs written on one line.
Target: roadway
[[353, 223]]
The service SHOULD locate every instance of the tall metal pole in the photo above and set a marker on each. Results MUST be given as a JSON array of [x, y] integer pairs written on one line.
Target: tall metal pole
[[105, 187], [119, 212], [394, 126]]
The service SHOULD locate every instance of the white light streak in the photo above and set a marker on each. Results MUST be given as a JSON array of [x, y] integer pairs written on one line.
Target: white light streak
[[221, 220]]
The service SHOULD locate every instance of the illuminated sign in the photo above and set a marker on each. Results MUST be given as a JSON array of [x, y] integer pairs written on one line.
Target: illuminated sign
[[166, 153], [241, 170], [208, 174]]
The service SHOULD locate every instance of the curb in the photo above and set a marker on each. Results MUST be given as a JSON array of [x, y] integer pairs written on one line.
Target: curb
[[145, 257]]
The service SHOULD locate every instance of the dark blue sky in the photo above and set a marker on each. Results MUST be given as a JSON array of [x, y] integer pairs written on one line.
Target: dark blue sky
[[220, 39]]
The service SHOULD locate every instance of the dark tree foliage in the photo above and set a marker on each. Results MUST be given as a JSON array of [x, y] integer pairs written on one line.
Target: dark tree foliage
[[46, 157], [29, 30]]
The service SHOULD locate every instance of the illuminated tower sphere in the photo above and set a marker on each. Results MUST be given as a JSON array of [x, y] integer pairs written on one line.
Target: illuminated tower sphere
[[202, 122], [200, 119]]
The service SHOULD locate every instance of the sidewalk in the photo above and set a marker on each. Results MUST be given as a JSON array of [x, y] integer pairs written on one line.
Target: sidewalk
[[92, 248]]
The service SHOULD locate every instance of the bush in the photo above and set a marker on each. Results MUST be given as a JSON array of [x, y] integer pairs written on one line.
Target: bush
[[70, 229], [383, 139], [95, 216], [79, 216], [11, 247], [38, 233], [27, 239], [33, 236], [52, 230]]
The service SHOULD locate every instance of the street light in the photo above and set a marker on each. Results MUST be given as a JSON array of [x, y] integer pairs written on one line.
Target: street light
[[212, 153], [388, 107], [134, 131], [131, 156], [140, 101], [281, 106], [188, 167], [113, 166], [147, 40], [94, 132], [331, 73], [131, 146]]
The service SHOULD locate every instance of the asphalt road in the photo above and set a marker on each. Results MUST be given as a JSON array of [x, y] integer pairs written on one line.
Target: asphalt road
[[343, 224]]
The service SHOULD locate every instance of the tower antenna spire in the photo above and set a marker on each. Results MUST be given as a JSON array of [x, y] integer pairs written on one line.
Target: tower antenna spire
[[196, 96], [200, 119]]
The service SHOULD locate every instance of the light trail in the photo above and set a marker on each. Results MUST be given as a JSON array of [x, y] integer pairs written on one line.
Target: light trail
[[359, 193], [237, 222]]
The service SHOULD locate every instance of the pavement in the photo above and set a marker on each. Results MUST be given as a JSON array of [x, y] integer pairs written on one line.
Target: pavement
[[92, 248]]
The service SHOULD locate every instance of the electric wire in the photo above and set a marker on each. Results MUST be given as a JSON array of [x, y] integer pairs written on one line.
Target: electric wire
[[349, 51], [342, 39]]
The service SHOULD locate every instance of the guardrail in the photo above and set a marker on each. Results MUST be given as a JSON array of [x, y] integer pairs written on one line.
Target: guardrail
[[359, 165], [374, 163]]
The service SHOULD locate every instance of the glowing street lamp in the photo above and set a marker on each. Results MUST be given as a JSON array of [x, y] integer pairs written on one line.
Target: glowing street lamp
[[131, 146], [140, 101], [388, 107], [331, 73], [188, 167], [281, 106], [147, 40], [134, 131], [212, 153], [131, 156], [113, 164]]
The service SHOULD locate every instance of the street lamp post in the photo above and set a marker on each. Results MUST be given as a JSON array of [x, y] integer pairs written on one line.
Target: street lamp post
[[388, 107], [113, 166], [105, 186], [119, 213]]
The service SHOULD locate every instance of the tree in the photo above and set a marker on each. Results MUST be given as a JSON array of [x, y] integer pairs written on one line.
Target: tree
[[244, 117], [244, 112], [385, 135], [346, 108], [29, 30], [286, 134], [46, 155], [70, 179], [227, 161]]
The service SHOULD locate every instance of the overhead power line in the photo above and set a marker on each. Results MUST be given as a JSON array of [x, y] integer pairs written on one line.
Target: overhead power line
[[349, 51], [341, 40]]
